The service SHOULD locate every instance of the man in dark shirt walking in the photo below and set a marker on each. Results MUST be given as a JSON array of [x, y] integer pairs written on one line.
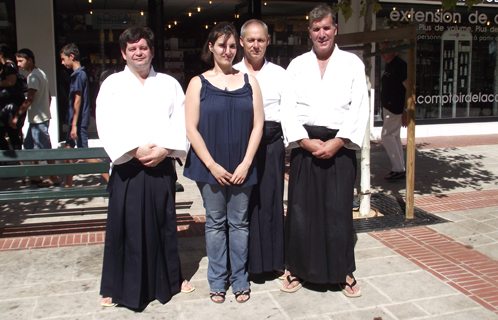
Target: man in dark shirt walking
[[393, 91], [78, 114]]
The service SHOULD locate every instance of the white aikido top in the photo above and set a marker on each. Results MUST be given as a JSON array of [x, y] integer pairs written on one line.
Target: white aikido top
[[271, 81], [130, 114], [338, 101]]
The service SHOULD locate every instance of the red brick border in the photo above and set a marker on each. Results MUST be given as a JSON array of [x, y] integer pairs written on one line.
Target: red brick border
[[467, 270], [53, 235], [457, 201]]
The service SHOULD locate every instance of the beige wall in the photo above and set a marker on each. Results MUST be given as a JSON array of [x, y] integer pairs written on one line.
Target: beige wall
[[35, 30]]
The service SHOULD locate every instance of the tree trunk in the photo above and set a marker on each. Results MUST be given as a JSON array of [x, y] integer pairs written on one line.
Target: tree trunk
[[365, 150]]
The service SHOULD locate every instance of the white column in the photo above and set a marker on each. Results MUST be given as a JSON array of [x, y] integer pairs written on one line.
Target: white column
[[35, 31]]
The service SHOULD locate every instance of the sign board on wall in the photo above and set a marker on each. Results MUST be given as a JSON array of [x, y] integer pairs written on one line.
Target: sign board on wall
[[117, 19]]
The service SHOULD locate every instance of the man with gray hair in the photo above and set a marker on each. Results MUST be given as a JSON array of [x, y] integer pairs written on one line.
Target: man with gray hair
[[325, 103], [266, 208]]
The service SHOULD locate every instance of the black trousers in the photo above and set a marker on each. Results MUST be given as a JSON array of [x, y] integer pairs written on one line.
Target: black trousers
[[266, 207], [141, 261], [319, 234]]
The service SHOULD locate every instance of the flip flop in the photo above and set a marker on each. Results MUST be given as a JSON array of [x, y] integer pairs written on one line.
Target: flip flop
[[347, 293], [293, 289], [189, 290]]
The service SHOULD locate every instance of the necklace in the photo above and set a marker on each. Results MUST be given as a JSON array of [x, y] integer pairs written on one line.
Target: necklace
[[223, 82]]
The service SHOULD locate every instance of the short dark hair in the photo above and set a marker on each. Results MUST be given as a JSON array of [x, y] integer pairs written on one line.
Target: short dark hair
[[5, 50], [134, 34], [26, 54], [253, 21], [320, 12], [69, 49], [225, 29]]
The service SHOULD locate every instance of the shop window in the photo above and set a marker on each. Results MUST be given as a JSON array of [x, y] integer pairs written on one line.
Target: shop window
[[456, 63]]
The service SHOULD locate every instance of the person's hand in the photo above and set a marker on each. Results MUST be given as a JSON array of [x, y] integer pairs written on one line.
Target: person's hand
[[240, 174], [13, 123], [156, 156], [220, 174], [311, 145], [74, 135], [404, 119], [329, 148], [143, 151]]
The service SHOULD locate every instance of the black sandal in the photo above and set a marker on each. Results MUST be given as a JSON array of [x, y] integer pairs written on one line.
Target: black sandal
[[243, 293], [348, 294], [217, 294]]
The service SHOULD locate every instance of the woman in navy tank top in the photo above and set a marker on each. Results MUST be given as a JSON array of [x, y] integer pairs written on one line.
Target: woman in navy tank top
[[224, 119]]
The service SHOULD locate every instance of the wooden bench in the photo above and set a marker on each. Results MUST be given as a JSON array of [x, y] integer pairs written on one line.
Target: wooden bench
[[13, 170]]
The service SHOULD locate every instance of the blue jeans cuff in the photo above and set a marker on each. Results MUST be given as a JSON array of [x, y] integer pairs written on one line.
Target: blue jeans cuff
[[243, 289], [217, 290]]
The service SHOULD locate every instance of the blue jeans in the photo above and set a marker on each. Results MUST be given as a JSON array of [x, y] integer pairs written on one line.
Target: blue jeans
[[226, 206], [37, 136]]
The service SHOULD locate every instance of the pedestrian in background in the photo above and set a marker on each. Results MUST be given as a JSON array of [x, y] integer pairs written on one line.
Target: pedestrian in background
[[37, 107], [11, 98], [78, 112], [393, 102]]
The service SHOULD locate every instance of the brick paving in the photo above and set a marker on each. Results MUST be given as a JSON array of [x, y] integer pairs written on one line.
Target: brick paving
[[469, 271], [75, 233], [459, 201]]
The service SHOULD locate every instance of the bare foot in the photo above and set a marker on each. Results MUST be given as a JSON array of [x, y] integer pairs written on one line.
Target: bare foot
[[217, 297], [187, 287], [242, 296], [106, 302], [282, 275]]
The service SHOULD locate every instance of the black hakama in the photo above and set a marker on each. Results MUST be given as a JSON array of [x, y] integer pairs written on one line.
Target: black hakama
[[266, 208], [319, 233], [141, 261]]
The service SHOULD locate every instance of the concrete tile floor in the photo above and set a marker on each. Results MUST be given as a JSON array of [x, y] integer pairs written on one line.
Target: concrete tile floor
[[63, 282]]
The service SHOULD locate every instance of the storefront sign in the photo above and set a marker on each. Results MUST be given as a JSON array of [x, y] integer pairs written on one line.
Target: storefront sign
[[117, 19]]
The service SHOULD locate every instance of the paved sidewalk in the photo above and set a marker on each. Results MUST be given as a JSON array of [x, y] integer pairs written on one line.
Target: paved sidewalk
[[51, 252]]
